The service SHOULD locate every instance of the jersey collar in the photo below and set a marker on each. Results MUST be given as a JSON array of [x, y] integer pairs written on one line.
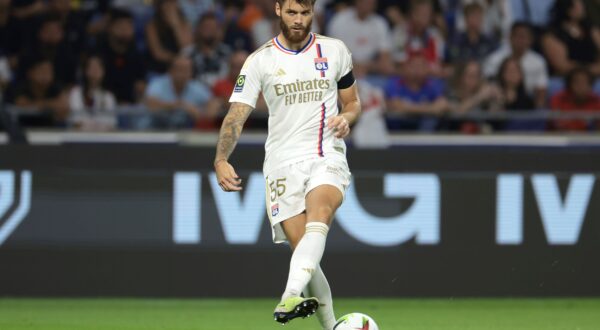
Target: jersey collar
[[304, 48]]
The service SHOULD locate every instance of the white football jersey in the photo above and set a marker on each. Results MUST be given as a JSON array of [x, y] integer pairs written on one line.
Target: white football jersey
[[300, 89]]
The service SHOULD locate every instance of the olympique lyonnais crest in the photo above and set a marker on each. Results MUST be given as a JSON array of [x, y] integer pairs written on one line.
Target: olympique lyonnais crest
[[321, 64], [275, 209]]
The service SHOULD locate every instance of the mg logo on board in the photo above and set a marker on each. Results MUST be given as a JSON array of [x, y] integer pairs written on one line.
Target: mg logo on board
[[14, 203]]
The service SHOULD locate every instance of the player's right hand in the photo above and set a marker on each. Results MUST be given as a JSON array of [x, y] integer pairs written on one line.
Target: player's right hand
[[226, 176]]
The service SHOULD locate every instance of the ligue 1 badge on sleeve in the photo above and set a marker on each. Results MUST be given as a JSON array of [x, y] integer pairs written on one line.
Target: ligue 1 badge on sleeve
[[239, 83]]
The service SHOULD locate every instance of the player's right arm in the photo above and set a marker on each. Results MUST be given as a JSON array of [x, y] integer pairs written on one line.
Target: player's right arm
[[228, 137], [243, 100]]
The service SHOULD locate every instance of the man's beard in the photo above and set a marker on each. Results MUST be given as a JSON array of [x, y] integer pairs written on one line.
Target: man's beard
[[293, 37]]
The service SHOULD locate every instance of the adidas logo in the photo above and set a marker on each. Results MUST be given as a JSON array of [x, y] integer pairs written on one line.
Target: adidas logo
[[280, 72], [309, 270]]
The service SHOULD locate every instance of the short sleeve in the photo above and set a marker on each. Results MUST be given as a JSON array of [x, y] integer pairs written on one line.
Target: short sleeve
[[391, 90], [247, 85], [110, 102], [383, 33], [438, 89], [155, 88], [541, 76], [345, 61], [491, 64], [200, 94]]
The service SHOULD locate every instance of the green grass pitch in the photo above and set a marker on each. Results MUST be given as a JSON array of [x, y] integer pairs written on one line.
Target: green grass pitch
[[255, 314]]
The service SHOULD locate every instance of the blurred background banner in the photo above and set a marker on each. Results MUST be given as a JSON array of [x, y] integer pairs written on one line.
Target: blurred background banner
[[150, 220]]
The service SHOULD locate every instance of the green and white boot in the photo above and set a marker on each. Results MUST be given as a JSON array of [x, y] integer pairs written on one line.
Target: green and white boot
[[293, 307]]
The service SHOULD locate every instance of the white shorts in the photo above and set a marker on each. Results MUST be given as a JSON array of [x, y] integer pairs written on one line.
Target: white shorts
[[287, 187]]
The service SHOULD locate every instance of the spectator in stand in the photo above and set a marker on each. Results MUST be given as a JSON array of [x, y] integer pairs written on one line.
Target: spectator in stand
[[123, 63], [167, 34], [235, 37], [365, 33], [50, 44], [498, 17], [533, 64], [514, 97], [573, 40], [40, 93], [419, 37], [472, 44], [222, 88], [26, 9], [470, 92], [535, 12], [194, 9], [96, 14], [396, 11], [176, 100], [370, 131], [26, 14], [267, 27], [417, 93], [577, 96], [92, 108], [511, 81], [73, 24], [319, 22], [209, 54]]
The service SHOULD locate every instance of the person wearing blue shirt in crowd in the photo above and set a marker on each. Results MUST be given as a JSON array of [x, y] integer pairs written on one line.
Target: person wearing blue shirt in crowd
[[535, 12], [416, 93], [176, 100]]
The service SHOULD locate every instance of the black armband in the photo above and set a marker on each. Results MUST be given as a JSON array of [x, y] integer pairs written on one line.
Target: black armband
[[346, 81]]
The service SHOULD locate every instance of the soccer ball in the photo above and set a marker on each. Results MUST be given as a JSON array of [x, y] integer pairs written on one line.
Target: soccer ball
[[355, 321]]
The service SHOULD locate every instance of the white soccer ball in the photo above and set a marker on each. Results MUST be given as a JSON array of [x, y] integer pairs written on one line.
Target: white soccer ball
[[355, 321]]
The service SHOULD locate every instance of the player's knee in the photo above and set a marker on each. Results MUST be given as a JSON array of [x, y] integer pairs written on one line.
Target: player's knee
[[321, 213]]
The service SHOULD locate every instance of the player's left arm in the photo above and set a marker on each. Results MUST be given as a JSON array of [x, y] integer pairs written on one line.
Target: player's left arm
[[350, 112]]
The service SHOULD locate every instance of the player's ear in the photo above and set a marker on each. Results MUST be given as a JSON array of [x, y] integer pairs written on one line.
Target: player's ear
[[277, 8]]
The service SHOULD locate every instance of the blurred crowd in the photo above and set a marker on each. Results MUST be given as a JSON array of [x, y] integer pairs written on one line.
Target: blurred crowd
[[421, 64]]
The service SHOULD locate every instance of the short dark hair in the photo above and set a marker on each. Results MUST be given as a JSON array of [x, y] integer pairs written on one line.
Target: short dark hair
[[209, 15], [301, 2], [49, 18], [116, 14], [415, 3], [36, 61], [521, 25], [471, 7], [579, 70]]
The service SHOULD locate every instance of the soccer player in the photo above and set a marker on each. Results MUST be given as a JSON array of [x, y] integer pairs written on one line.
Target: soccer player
[[302, 76]]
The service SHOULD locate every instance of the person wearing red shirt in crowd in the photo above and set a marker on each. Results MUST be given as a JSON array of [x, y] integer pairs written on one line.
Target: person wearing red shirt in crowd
[[419, 37], [577, 96], [222, 88]]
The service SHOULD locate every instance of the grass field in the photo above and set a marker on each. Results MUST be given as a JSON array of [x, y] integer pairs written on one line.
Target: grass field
[[251, 314]]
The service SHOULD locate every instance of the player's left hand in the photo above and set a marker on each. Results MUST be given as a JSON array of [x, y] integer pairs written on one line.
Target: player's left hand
[[340, 126]]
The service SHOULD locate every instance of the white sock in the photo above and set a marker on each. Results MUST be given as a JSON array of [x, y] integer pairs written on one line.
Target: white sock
[[306, 258], [319, 287]]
